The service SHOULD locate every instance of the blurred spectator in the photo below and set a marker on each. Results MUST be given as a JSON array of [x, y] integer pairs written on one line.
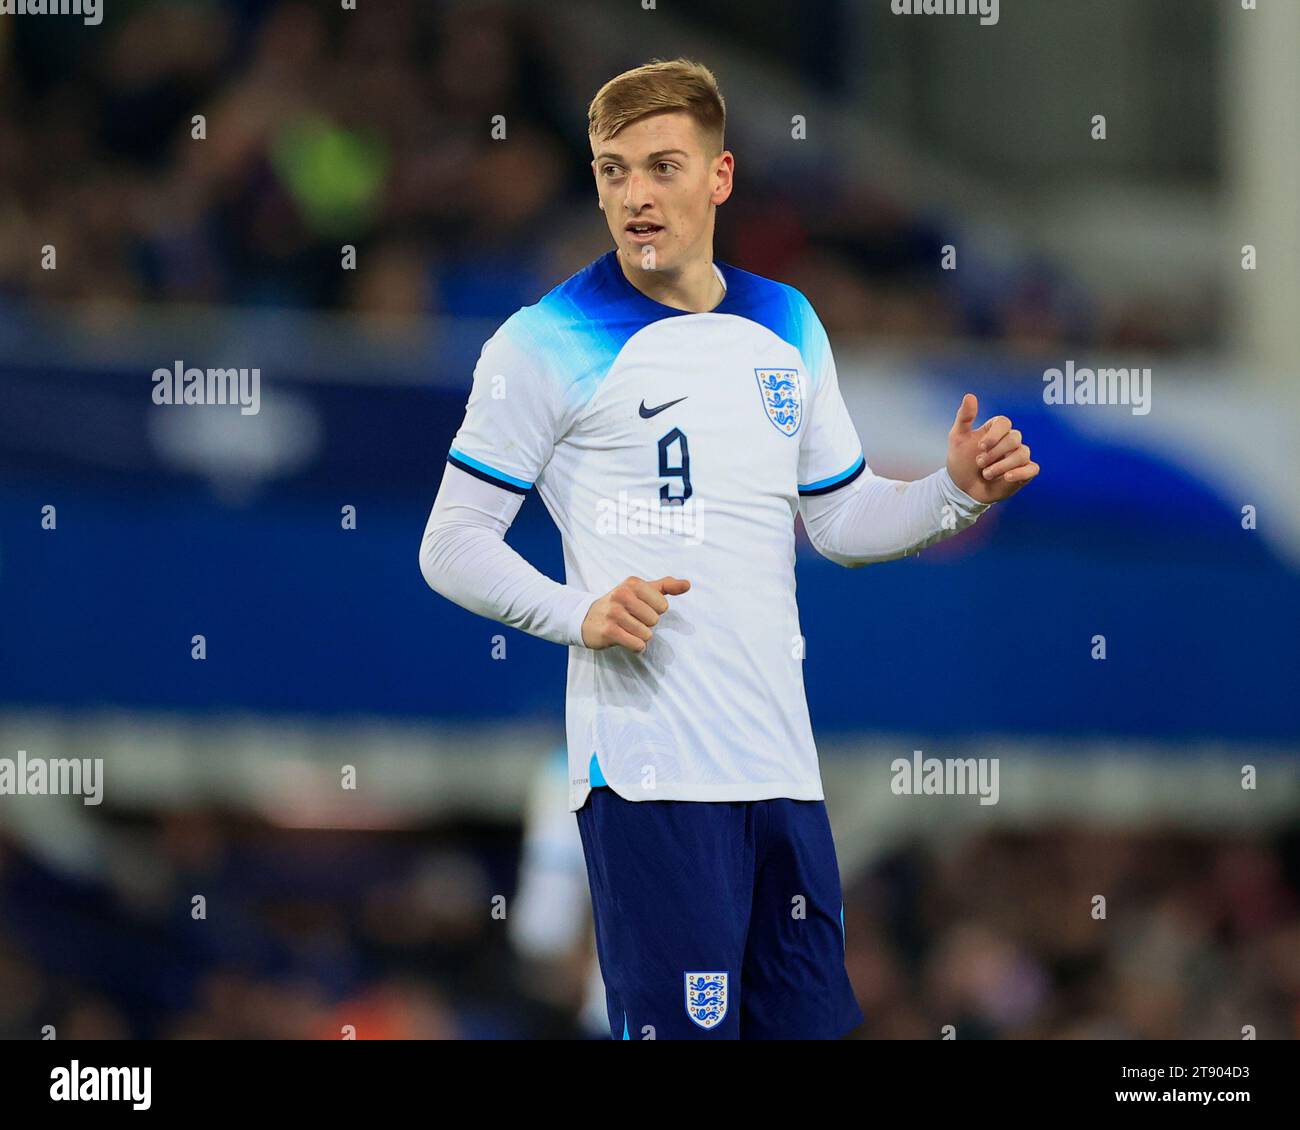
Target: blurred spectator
[[324, 129]]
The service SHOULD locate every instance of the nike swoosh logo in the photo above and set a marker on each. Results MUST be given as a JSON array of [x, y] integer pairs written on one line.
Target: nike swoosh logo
[[646, 413]]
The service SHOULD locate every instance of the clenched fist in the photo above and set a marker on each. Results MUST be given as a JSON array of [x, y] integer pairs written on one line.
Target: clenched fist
[[626, 615]]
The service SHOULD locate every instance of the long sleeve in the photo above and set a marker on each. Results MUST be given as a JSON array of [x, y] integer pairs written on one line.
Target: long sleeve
[[852, 516], [874, 519], [465, 558]]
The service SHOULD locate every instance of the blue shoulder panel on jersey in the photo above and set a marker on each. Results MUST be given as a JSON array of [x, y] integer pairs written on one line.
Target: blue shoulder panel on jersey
[[581, 325], [578, 329], [781, 308]]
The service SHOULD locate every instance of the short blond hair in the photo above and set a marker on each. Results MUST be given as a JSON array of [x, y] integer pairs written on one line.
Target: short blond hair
[[659, 87]]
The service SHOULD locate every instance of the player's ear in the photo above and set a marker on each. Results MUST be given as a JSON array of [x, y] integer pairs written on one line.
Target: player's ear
[[723, 177]]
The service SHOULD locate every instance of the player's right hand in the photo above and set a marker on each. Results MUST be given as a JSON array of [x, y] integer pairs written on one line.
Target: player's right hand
[[626, 615]]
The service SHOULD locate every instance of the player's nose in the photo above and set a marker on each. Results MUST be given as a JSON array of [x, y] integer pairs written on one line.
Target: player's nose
[[638, 195]]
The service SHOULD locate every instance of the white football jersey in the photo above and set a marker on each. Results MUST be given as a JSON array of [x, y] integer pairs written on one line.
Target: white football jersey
[[665, 442]]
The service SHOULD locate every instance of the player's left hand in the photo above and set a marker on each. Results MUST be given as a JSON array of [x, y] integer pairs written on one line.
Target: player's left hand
[[990, 462]]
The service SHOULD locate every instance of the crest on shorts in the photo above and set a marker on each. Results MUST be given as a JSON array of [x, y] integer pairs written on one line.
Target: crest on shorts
[[706, 998], [782, 398]]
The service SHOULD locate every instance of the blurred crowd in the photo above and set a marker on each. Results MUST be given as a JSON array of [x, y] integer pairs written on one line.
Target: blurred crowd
[[307, 933], [1002, 937], [373, 128]]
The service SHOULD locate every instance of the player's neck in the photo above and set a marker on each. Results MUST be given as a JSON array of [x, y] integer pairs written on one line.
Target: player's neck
[[693, 287]]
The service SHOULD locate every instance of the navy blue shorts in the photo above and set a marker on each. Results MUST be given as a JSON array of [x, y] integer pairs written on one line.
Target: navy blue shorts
[[717, 920]]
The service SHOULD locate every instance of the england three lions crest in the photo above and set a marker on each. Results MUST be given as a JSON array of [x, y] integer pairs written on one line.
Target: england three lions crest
[[706, 998], [782, 394]]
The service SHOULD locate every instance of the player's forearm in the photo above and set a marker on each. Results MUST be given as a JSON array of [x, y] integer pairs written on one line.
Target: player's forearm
[[464, 557], [877, 519]]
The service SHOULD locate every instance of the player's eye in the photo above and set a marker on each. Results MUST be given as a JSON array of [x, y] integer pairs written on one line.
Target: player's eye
[[609, 170], [666, 168]]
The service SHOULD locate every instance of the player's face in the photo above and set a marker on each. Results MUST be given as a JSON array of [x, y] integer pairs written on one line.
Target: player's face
[[659, 183]]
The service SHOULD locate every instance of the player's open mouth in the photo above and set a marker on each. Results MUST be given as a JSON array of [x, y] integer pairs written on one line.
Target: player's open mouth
[[643, 232]]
